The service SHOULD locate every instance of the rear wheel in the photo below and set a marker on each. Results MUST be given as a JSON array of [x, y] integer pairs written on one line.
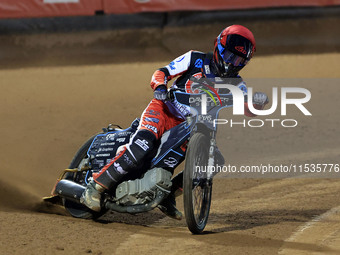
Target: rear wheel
[[197, 187], [76, 209]]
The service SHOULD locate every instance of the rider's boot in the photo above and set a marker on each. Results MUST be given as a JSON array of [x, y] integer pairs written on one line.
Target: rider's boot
[[92, 196], [125, 161], [168, 205]]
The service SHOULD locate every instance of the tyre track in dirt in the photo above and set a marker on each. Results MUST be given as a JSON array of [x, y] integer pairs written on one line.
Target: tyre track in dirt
[[255, 219], [322, 230]]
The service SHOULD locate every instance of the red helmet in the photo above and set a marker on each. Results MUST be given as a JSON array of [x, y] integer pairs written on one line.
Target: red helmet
[[234, 47]]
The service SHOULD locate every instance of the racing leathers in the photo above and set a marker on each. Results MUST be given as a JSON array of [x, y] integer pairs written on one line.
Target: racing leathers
[[159, 116]]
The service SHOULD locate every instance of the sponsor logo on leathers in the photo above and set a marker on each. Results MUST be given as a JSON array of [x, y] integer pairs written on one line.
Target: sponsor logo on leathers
[[171, 162], [142, 143], [152, 128], [128, 160], [119, 168]]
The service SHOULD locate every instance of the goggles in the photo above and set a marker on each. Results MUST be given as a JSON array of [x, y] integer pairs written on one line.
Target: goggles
[[230, 57]]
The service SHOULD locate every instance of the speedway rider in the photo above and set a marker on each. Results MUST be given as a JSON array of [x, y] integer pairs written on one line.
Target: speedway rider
[[233, 49]]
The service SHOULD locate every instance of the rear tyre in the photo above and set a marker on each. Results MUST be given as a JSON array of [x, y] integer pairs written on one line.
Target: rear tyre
[[76, 209], [197, 188]]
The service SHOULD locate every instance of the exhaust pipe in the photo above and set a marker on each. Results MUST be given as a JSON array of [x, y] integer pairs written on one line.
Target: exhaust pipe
[[69, 190]]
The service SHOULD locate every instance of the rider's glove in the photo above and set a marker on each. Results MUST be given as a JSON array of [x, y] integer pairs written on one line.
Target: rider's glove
[[260, 99], [160, 92]]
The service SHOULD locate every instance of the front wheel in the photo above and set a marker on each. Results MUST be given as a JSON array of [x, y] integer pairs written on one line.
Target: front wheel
[[197, 187]]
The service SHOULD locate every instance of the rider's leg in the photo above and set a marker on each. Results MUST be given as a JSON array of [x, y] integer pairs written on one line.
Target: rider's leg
[[154, 122], [168, 205], [141, 144], [177, 184], [124, 162], [150, 129]]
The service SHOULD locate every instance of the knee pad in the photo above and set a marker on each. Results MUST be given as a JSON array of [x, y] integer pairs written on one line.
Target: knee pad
[[128, 159], [141, 144], [135, 151]]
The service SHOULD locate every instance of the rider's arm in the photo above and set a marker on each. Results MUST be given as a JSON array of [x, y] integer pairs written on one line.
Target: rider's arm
[[177, 67]]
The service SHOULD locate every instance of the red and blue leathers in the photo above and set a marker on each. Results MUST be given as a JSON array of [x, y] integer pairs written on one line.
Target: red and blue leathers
[[192, 63]]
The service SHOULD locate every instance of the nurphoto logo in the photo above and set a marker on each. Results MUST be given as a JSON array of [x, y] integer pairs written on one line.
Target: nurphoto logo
[[223, 95]]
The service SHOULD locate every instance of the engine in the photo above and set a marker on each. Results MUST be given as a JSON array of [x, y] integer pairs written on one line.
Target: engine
[[144, 190]]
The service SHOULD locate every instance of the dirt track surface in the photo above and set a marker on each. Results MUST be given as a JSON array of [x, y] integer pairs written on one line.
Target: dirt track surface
[[47, 113]]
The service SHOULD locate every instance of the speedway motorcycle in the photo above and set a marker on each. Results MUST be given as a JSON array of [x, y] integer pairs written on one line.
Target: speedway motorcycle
[[193, 141]]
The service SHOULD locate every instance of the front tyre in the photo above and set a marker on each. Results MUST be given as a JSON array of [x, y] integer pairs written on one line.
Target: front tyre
[[197, 187]]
